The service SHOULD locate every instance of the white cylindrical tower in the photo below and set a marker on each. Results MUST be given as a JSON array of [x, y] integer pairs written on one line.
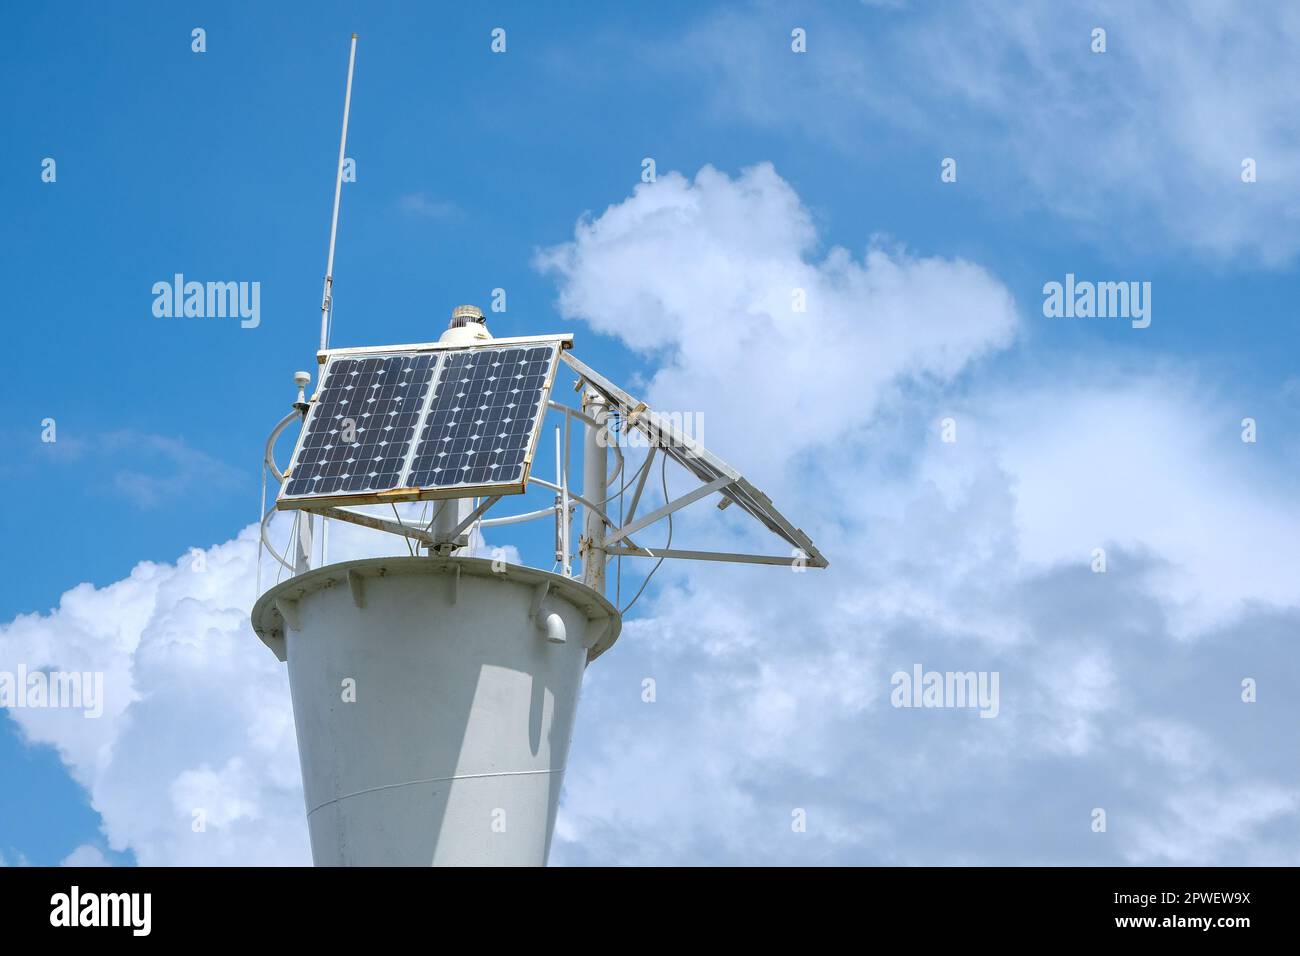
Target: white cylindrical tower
[[434, 700], [434, 697]]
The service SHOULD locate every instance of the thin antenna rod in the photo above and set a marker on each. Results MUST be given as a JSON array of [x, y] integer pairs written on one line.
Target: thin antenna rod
[[326, 304]]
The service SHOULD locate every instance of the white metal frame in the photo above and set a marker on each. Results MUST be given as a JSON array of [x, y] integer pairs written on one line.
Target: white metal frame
[[602, 539], [713, 473], [613, 539], [563, 339], [403, 493]]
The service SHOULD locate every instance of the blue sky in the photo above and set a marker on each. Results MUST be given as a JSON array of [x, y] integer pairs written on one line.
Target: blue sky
[[474, 168]]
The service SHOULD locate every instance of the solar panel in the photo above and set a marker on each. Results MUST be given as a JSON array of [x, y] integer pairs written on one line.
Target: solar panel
[[483, 417], [405, 426], [361, 424], [698, 460]]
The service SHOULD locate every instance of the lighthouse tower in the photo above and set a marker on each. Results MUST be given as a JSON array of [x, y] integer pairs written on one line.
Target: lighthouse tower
[[435, 693]]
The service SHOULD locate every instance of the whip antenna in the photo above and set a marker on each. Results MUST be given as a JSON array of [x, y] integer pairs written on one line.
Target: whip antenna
[[326, 304]]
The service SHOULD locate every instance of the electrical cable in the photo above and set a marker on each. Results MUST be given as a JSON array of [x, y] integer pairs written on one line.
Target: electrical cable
[[628, 480], [663, 477], [631, 478], [293, 538], [409, 549], [260, 516]]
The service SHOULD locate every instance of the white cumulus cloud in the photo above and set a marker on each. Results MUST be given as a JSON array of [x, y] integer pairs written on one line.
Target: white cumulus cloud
[[772, 688], [1139, 146]]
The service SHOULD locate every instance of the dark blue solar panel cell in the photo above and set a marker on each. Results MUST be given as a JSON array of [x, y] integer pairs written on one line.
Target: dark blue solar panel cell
[[362, 424], [470, 414], [483, 417]]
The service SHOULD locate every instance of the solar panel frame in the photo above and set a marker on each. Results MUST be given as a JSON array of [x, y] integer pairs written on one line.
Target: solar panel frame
[[403, 491], [422, 451], [311, 435]]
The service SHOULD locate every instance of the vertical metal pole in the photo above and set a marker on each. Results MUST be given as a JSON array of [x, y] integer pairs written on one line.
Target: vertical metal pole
[[595, 469], [451, 512], [302, 539], [562, 469], [326, 296], [559, 502], [302, 553]]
